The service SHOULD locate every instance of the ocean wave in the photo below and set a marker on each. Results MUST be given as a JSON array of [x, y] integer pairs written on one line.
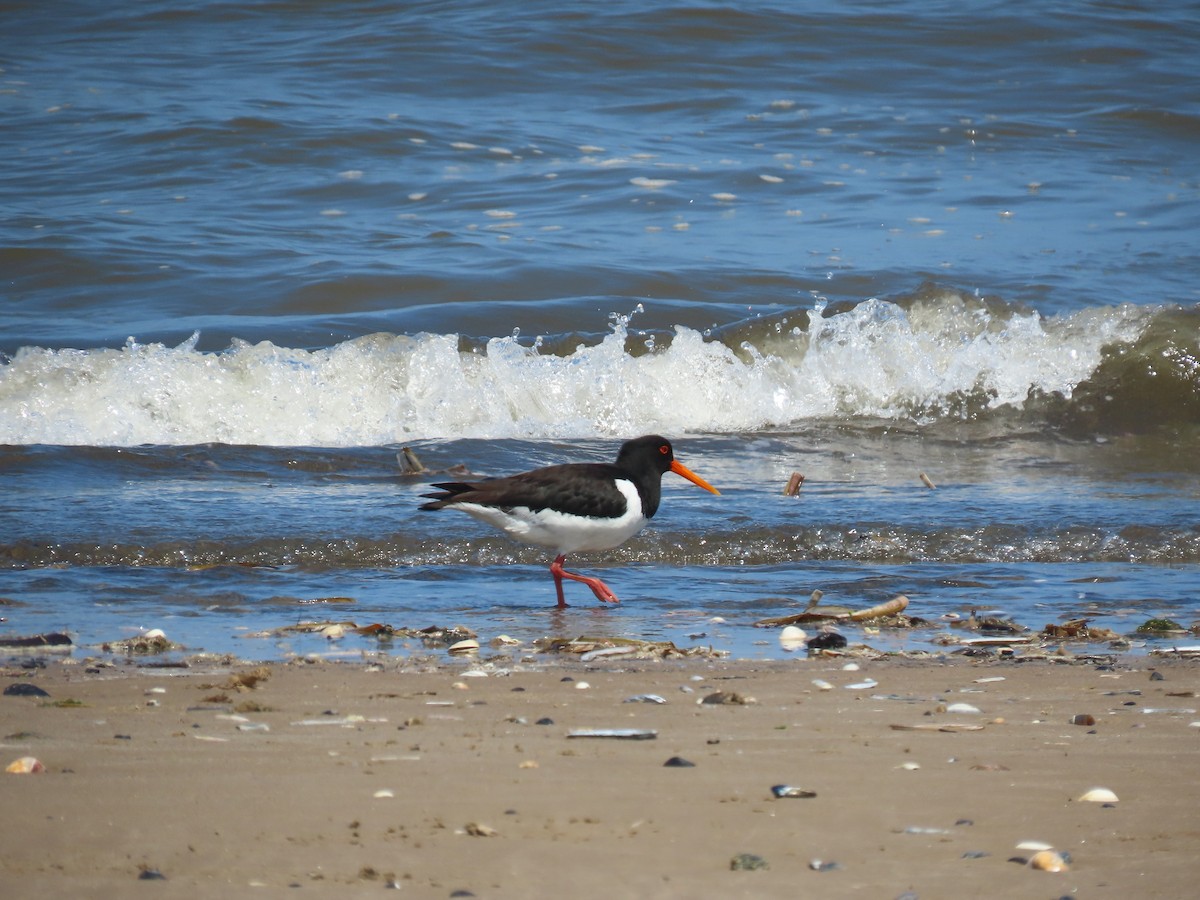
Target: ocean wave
[[936, 355]]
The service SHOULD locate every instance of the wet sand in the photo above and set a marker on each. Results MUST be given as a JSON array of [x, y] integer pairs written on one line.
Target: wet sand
[[343, 779]]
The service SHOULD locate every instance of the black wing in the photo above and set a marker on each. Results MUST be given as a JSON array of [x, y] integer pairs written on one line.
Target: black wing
[[583, 489]]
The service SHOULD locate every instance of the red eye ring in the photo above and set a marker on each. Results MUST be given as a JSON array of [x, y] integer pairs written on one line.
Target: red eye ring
[[664, 449]]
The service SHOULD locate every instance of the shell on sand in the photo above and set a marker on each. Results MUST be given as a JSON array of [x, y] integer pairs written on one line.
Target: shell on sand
[[1048, 861], [1098, 795], [26, 765]]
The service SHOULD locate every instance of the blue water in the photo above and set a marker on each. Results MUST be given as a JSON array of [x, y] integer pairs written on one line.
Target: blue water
[[251, 250]]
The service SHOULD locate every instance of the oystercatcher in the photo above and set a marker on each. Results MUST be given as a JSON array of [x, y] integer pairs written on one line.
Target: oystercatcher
[[573, 507]]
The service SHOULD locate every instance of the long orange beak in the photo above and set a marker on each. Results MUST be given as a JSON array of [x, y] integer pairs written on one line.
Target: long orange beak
[[680, 469]]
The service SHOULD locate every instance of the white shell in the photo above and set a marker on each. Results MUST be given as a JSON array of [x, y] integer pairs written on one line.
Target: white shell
[[792, 633], [467, 646], [963, 709], [1034, 845], [1098, 795]]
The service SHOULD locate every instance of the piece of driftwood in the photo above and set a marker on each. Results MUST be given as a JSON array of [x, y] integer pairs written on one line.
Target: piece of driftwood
[[892, 607]]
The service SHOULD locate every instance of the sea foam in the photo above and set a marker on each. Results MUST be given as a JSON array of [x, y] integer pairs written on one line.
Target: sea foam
[[876, 359]]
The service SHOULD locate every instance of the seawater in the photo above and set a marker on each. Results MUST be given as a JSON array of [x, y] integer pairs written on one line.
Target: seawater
[[249, 252]]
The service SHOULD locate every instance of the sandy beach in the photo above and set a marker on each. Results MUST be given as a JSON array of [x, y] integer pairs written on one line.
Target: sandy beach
[[464, 778]]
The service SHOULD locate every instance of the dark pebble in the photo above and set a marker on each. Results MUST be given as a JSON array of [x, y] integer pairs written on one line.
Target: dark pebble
[[975, 854], [123, 737], [151, 875], [545, 720], [965, 822], [827, 640], [24, 689], [462, 893], [678, 762], [1157, 676]]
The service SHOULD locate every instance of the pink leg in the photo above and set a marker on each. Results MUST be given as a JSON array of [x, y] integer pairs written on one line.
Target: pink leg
[[599, 588]]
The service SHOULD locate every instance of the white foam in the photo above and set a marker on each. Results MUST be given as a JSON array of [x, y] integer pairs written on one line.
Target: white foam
[[874, 360]]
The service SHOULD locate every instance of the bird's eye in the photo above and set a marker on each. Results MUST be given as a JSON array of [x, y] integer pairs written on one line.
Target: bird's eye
[[664, 449]]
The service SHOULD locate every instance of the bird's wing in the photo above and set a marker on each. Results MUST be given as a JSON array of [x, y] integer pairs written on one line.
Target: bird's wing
[[584, 489]]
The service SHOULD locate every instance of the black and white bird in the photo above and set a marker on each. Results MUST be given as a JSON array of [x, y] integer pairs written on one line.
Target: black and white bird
[[574, 507]]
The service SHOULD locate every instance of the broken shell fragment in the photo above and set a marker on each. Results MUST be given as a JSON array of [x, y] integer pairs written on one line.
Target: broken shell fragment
[[1083, 719], [725, 698], [1048, 861], [1098, 795], [470, 645], [786, 791], [26, 765], [620, 734]]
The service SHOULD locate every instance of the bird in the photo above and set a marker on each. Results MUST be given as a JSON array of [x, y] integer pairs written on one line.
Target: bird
[[573, 507]]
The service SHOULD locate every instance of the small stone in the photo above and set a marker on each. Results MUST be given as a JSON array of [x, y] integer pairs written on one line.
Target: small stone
[[678, 762], [1083, 719], [24, 689]]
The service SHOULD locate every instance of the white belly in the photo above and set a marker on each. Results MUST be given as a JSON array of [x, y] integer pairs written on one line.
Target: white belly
[[564, 533]]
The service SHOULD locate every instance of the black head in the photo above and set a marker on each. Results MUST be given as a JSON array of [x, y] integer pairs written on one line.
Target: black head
[[653, 454]]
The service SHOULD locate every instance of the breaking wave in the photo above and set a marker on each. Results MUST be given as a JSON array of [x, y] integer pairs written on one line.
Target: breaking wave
[[936, 355]]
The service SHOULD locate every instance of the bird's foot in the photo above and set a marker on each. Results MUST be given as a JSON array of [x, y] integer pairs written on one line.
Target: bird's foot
[[600, 589]]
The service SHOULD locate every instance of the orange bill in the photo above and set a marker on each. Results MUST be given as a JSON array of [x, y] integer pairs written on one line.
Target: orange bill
[[680, 469]]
